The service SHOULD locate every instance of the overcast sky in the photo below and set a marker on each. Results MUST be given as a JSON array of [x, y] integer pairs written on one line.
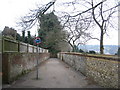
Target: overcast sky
[[12, 10]]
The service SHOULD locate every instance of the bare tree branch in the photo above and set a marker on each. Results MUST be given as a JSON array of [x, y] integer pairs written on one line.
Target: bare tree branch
[[89, 9], [30, 20]]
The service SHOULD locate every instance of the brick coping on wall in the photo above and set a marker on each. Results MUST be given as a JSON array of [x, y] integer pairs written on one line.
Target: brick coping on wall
[[107, 57]]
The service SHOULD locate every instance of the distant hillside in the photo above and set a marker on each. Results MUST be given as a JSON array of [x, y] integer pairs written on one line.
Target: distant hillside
[[108, 49]]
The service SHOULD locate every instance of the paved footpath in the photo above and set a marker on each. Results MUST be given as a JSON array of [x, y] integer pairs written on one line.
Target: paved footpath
[[54, 73]]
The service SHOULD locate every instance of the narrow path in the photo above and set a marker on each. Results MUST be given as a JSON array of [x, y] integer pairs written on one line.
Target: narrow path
[[53, 73]]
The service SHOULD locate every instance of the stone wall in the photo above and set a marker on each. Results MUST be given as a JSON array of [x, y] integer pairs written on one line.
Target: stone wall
[[16, 64], [19, 58], [100, 68]]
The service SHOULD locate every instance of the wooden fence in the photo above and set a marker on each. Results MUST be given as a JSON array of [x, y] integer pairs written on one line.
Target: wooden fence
[[15, 46]]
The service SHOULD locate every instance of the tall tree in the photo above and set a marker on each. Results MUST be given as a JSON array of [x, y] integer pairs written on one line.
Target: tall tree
[[50, 32], [101, 13], [23, 36], [18, 37], [102, 21], [29, 37]]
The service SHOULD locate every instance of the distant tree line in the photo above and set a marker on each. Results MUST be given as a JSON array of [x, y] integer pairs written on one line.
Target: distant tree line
[[9, 32], [26, 39], [76, 49], [12, 34]]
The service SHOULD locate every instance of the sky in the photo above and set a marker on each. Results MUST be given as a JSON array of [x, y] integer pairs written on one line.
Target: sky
[[12, 10]]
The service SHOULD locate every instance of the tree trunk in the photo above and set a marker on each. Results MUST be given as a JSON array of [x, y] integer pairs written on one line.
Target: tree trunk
[[101, 42]]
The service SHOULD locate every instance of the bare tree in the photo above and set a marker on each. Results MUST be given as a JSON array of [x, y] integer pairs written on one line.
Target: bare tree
[[77, 28], [34, 16], [102, 21], [100, 15], [78, 23]]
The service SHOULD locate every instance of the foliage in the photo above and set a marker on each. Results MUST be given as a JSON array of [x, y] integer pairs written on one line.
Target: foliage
[[26, 39], [81, 51], [30, 39], [50, 32], [18, 37], [76, 49], [92, 52], [23, 36]]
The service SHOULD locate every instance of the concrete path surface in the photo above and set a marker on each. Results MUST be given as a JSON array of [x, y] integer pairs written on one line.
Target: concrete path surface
[[54, 73]]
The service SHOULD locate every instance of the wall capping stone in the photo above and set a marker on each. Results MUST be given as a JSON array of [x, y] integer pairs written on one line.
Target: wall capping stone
[[107, 57]]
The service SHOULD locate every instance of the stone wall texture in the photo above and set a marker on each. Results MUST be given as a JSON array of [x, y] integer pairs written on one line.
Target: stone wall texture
[[16, 64], [102, 69]]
